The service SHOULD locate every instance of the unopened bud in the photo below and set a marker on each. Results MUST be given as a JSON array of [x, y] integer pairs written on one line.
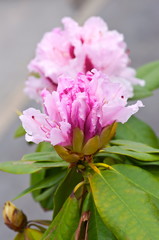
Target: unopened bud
[[13, 217], [80, 149], [66, 155]]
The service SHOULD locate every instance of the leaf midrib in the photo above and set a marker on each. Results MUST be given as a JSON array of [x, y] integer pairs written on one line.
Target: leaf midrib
[[106, 181], [139, 186]]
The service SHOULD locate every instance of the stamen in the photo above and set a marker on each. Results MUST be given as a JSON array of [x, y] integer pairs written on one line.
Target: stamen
[[49, 123]]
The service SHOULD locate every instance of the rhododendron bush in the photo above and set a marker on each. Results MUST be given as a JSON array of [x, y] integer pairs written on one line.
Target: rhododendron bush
[[96, 165]]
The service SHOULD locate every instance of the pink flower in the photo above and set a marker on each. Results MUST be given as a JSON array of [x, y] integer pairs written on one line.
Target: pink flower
[[89, 103], [80, 49]]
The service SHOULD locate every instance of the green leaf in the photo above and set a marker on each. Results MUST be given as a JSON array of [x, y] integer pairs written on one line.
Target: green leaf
[[19, 167], [47, 204], [136, 130], [29, 234], [134, 146], [32, 234], [125, 209], [19, 236], [45, 194], [38, 176], [27, 167], [154, 170], [42, 156], [35, 178], [65, 223], [141, 92], [147, 157], [44, 183], [97, 229], [150, 73], [139, 177], [19, 132], [65, 188], [52, 164], [44, 147], [109, 158]]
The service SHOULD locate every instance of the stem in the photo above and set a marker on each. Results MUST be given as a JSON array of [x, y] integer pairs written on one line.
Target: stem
[[42, 229], [103, 165], [78, 186], [94, 168], [42, 222]]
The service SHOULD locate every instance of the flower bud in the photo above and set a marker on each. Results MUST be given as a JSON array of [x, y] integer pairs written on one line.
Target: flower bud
[[13, 217], [93, 145], [66, 155]]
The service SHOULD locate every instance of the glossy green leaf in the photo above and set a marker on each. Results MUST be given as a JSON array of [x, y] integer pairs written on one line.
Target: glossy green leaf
[[147, 157], [45, 198], [65, 188], [65, 223], [47, 204], [51, 164], [19, 167], [35, 178], [134, 146], [44, 147], [124, 208], [45, 194], [19, 132], [42, 156], [32, 234], [141, 92], [27, 167], [150, 73], [136, 130], [109, 158], [19, 236], [96, 228], [139, 177], [29, 234], [142, 163], [44, 183], [38, 176], [154, 170]]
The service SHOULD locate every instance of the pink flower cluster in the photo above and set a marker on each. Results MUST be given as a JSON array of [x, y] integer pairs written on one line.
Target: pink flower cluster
[[89, 102], [79, 49]]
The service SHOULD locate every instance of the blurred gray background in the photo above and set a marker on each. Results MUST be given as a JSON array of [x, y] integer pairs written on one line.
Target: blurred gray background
[[22, 25]]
